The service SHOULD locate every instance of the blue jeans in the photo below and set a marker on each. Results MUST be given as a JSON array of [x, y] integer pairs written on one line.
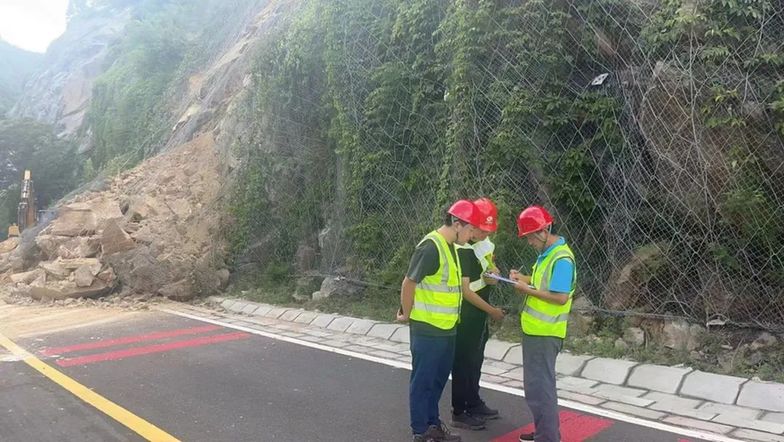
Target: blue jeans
[[431, 360]]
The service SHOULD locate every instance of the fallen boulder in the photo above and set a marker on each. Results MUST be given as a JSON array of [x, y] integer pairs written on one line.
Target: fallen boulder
[[628, 284], [634, 336], [223, 277], [91, 263], [140, 207], [55, 269], [115, 240], [107, 276], [69, 290], [50, 244], [74, 222], [105, 210], [177, 291], [26, 277], [79, 247], [83, 276], [9, 245], [680, 335], [332, 286]]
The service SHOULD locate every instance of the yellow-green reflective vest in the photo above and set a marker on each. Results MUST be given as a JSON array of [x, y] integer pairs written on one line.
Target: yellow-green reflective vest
[[541, 318], [437, 297], [483, 250]]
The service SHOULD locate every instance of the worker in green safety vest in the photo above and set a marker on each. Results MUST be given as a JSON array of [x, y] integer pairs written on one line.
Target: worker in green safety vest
[[430, 299], [548, 300]]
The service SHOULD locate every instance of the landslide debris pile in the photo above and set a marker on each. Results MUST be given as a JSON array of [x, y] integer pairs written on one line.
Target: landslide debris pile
[[151, 231]]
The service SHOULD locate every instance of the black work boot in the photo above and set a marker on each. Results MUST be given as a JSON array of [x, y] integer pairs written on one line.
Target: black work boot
[[484, 412], [467, 421], [441, 433]]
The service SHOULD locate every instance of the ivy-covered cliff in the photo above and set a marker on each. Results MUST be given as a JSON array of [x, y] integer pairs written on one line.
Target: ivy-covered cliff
[[653, 129]]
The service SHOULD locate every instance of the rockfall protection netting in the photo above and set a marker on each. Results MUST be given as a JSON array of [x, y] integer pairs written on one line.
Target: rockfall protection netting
[[652, 129]]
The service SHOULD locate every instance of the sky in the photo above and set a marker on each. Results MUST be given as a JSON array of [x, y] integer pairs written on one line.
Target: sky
[[32, 24]]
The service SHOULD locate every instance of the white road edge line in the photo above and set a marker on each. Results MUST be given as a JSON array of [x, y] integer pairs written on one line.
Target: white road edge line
[[504, 389]]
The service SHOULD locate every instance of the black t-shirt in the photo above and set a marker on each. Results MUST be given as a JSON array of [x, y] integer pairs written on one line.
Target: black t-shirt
[[472, 269], [425, 262]]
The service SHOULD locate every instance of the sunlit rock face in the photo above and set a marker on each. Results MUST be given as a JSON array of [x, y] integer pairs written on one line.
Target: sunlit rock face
[[60, 92]]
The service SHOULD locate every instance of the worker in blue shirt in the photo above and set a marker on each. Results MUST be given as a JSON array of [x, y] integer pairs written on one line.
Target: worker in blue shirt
[[548, 300]]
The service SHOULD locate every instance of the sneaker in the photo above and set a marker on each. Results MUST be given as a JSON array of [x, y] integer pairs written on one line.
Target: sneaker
[[529, 436], [467, 421], [441, 433], [484, 412], [422, 438]]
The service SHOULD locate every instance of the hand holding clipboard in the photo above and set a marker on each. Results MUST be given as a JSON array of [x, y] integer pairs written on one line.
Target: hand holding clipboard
[[506, 280], [500, 278]]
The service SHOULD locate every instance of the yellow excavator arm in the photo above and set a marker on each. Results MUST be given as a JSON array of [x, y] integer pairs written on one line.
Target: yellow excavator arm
[[26, 212]]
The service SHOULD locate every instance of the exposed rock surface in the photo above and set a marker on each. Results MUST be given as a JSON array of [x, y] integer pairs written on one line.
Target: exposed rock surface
[[154, 229], [60, 93]]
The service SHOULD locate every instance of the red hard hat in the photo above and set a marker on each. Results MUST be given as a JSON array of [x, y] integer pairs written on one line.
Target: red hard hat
[[533, 219], [489, 214], [465, 210]]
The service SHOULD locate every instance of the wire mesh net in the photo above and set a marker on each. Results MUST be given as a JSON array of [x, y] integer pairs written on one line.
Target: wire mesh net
[[651, 129]]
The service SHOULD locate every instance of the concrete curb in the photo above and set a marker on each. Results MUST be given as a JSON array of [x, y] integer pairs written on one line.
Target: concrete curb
[[712, 401]]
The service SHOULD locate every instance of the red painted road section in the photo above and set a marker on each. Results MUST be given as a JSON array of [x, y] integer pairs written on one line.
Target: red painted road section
[[575, 427], [128, 340], [158, 348]]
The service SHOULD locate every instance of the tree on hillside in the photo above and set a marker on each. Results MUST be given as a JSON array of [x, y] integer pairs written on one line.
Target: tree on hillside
[[29, 145]]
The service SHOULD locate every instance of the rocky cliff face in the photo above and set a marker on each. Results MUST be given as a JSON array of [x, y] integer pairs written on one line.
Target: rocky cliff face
[[154, 229], [16, 66], [60, 93]]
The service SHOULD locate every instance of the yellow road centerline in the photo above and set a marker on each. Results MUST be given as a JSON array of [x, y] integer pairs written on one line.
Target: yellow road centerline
[[114, 411]]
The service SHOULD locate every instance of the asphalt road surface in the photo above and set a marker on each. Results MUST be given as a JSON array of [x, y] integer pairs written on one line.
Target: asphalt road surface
[[196, 381]]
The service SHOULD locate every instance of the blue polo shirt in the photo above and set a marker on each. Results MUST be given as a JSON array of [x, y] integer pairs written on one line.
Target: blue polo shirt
[[563, 270]]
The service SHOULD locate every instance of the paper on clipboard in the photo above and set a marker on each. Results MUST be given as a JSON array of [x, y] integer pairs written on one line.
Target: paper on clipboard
[[500, 278]]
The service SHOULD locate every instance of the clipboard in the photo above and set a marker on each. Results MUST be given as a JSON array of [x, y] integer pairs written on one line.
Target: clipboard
[[500, 278]]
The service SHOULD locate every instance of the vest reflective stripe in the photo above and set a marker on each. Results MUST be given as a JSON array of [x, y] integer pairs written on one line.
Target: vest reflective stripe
[[444, 258], [436, 308], [541, 318], [437, 297], [545, 317], [483, 250], [477, 285], [438, 288], [484, 253]]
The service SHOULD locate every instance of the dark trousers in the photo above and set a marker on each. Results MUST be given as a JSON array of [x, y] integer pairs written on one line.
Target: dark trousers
[[431, 360], [472, 334], [539, 353]]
